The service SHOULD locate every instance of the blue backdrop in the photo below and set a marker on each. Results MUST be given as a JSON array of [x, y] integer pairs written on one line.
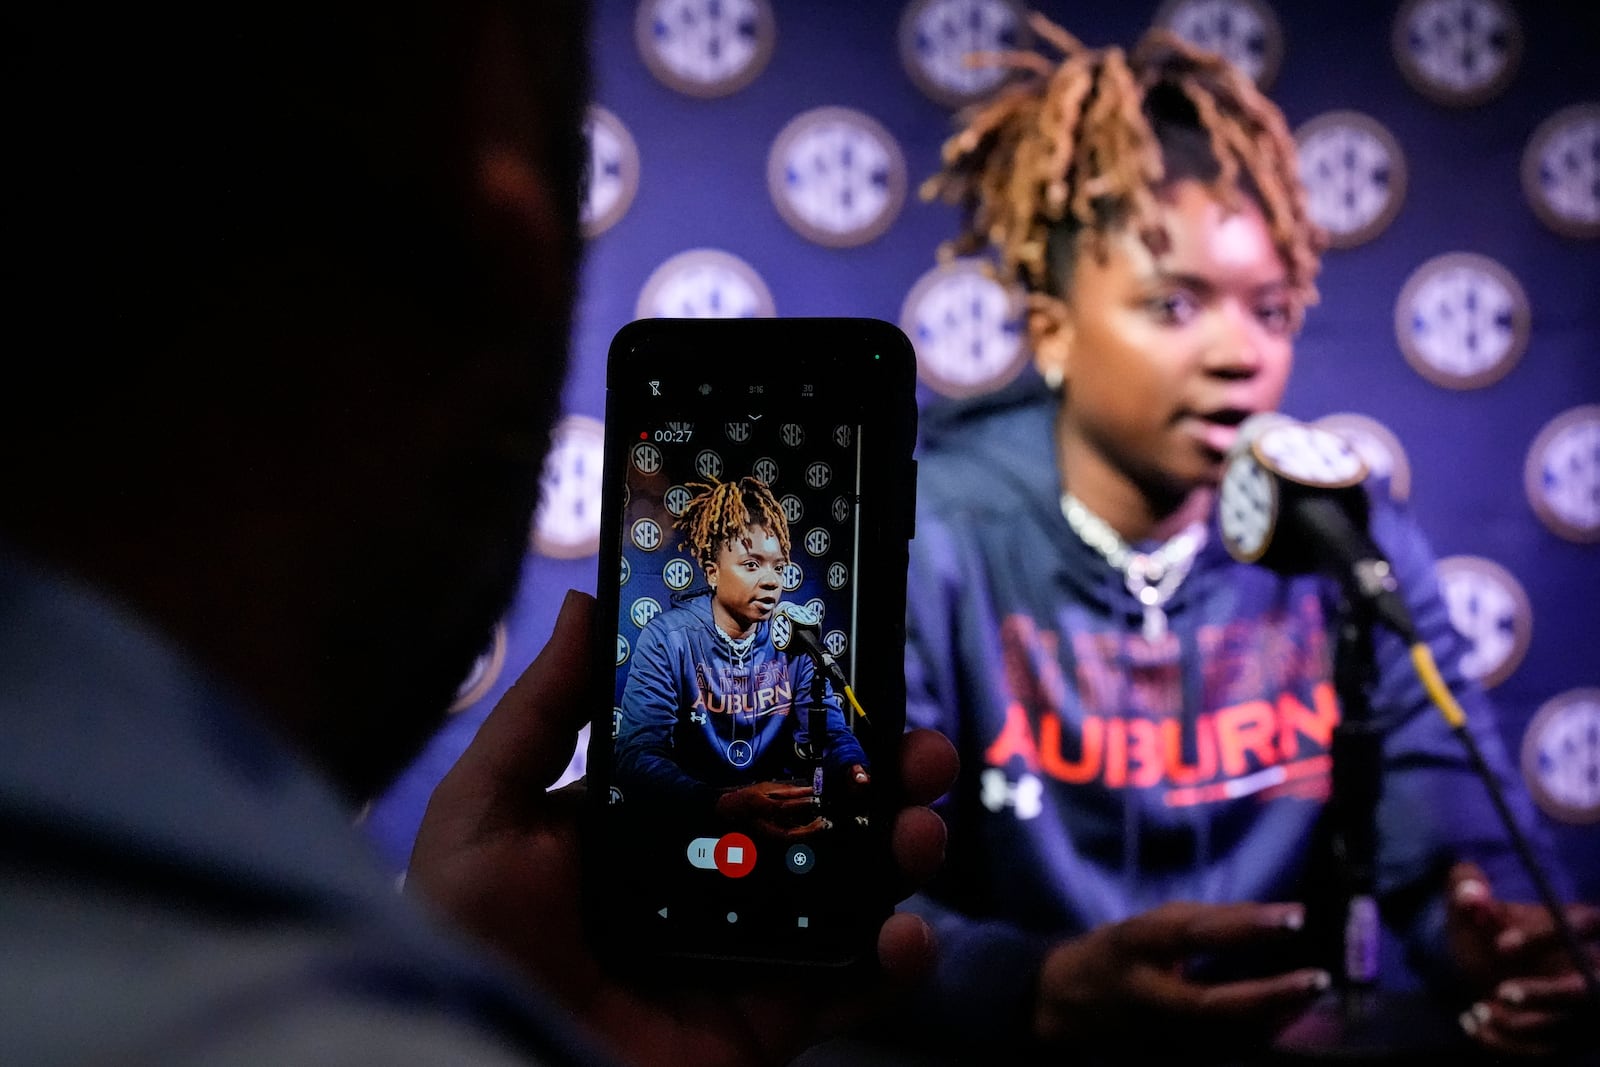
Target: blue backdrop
[[1475, 138]]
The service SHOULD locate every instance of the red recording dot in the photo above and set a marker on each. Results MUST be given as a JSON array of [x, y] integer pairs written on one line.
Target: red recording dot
[[644, 435]]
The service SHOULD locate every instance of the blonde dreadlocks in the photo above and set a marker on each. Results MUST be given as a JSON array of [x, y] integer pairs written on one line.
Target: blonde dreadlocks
[[719, 511], [1085, 144]]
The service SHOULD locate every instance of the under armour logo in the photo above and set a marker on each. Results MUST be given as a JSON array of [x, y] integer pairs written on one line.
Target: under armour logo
[[1026, 798]]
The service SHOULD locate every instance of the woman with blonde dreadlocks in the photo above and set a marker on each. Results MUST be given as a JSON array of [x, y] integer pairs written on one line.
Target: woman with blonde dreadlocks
[[712, 714], [1144, 724]]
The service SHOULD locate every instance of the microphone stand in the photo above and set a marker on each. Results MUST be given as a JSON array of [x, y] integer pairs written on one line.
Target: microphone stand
[[817, 729], [1357, 784], [1352, 1023]]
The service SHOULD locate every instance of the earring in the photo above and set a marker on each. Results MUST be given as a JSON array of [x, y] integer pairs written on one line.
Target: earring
[[1054, 379]]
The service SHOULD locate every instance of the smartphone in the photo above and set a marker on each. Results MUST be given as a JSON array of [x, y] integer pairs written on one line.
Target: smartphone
[[757, 500]]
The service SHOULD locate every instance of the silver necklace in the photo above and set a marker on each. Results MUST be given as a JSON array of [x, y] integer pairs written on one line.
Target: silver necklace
[[740, 751], [1152, 577]]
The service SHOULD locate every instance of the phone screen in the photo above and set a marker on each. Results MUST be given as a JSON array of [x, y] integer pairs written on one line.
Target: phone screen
[[758, 504]]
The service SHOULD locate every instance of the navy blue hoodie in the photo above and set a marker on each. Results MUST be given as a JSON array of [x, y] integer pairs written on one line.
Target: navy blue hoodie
[[699, 717], [1104, 774]]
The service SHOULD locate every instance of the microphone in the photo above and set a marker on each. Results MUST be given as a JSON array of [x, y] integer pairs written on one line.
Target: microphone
[[1291, 500], [797, 627]]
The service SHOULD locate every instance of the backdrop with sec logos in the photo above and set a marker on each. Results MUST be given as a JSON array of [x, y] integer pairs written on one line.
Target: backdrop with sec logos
[[759, 157]]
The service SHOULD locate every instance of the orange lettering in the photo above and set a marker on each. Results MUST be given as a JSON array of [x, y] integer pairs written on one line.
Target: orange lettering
[[1205, 744], [1294, 719], [1245, 728], [1015, 739], [1144, 753], [1116, 754], [1055, 765]]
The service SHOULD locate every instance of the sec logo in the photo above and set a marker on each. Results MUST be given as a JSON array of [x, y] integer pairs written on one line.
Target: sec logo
[[836, 176], [485, 670], [1244, 32], [647, 534], [817, 541], [704, 283], [765, 470], [793, 509], [843, 434], [792, 576], [567, 523], [1562, 474], [792, 434], [705, 48], [1489, 608], [1309, 455], [616, 722], [613, 171], [627, 571], [677, 574], [1247, 508], [937, 36], [1354, 173], [1378, 446], [836, 642], [967, 329], [817, 608], [1462, 321], [708, 464], [677, 499], [646, 458], [1561, 171], [838, 575], [818, 475], [622, 650], [1457, 52], [737, 432], [841, 509], [1561, 756], [643, 610]]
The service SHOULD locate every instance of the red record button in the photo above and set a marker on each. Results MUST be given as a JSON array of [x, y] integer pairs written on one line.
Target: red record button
[[735, 855]]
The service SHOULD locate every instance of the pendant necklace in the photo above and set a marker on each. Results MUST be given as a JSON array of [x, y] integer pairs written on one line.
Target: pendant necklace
[[740, 751], [1152, 577]]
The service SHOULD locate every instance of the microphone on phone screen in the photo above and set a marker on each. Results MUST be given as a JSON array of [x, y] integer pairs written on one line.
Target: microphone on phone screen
[[1291, 500], [799, 628]]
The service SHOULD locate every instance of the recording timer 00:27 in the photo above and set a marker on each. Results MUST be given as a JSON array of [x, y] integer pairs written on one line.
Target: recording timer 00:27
[[673, 433]]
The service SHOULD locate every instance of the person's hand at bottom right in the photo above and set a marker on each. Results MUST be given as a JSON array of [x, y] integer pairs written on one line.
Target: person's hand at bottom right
[[1124, 987]]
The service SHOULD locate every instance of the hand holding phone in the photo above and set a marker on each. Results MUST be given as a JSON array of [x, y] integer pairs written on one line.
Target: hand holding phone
[[756, 503], [502, 858]]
